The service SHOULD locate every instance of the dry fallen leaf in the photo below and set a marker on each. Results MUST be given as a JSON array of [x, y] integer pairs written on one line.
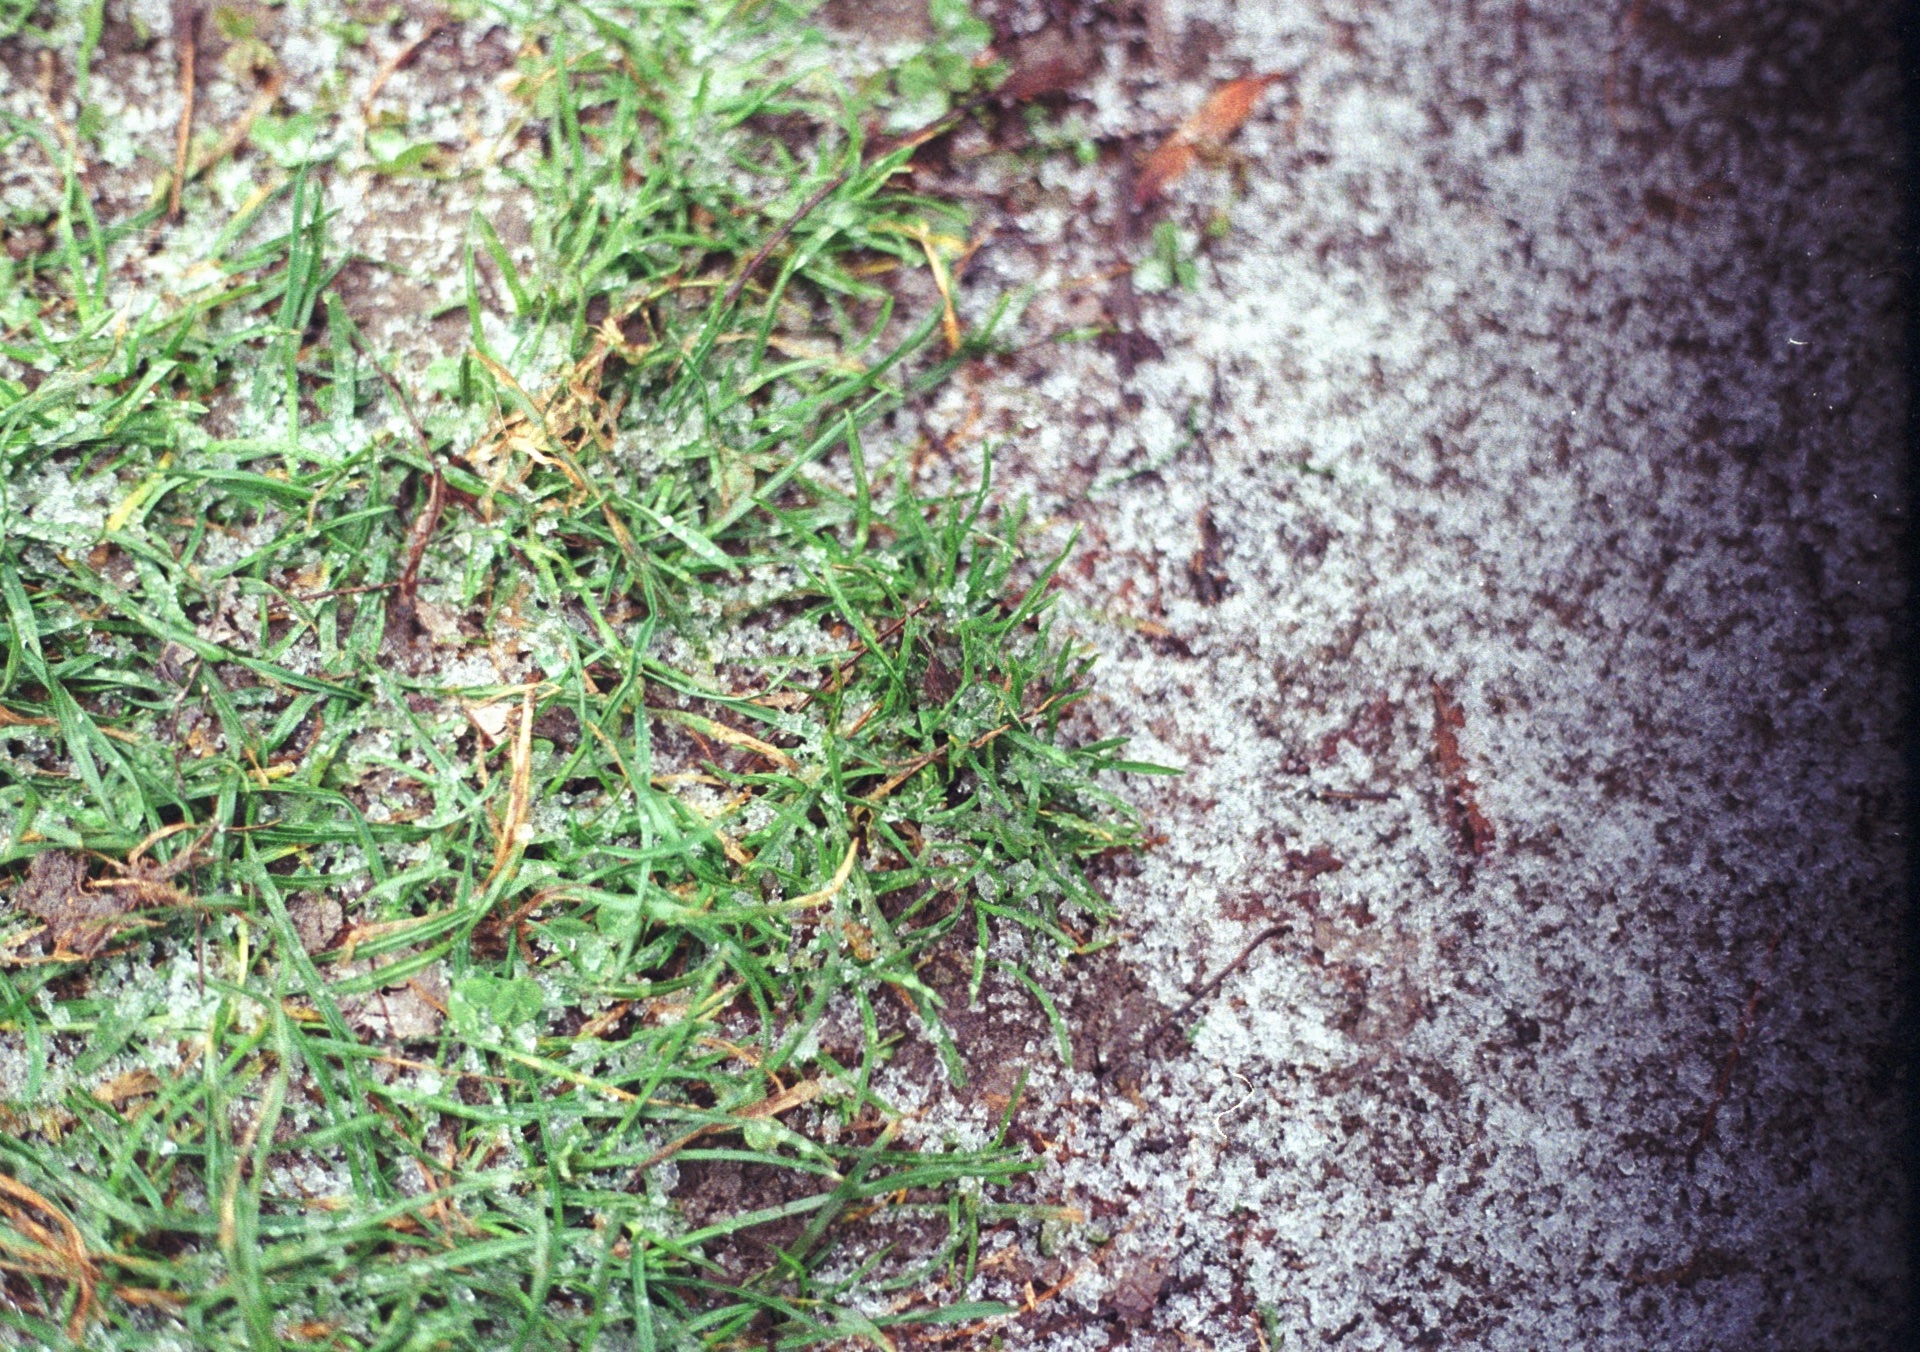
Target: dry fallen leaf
[[1138, 1286], [400, 1011], [1205, 133], [1050, 62], [128, 1085], [311, 1331], [442, 623], [491, 719], [316, 919], [79, 918]]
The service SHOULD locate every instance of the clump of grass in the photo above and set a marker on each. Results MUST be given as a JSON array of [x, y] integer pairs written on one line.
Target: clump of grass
[[532, 755]]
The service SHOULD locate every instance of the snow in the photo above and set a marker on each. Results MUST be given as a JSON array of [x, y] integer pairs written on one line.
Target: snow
[[1498, 387]]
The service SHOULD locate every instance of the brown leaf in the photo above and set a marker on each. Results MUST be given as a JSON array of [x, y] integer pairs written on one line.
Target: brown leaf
[[1138, 1286], [941, 683], [491, 719], [1205, 569], [1048, 63], [78, 917], [1470, 826], [311, 1330], [1226, 110], [316, 919], [130, 1084], [399, 1011], [1206, 132], [1163, 168], [1314, 862]]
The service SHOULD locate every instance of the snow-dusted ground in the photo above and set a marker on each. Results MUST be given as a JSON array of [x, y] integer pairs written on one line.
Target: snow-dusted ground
[[1546, 391], [1544, 395]]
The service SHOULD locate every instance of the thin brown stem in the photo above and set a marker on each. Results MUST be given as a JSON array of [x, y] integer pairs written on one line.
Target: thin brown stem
[[826, 190], [1208, 987], [186, 45]]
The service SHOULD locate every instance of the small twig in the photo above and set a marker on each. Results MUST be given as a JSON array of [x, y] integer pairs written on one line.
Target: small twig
[[345, 591], [427, 520], [844, 669], [399, 392], [1723, 1082], [779, 236], [520, 913], [1207, 988], [760, 1110], [1349, 795], [397, 62], [186, 46]]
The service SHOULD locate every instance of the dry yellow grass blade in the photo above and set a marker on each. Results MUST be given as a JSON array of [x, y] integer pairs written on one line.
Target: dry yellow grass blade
[[720, 732], [512, 834], [833, 888], [58, 1251]]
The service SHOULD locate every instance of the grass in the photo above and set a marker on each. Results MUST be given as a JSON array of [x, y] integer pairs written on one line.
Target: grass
[[510, 770]]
